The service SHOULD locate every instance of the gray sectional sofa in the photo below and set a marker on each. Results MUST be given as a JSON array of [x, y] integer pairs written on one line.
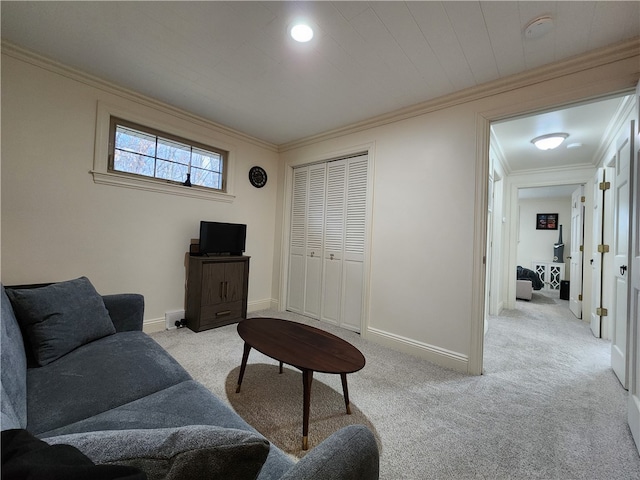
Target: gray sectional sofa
[[78, 370]]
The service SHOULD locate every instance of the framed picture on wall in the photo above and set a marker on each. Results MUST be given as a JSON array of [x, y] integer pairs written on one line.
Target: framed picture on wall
[[546, 221]]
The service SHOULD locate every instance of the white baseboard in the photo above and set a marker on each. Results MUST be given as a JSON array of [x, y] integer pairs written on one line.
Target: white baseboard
[[154, 325], [439, 356], [265, 304]]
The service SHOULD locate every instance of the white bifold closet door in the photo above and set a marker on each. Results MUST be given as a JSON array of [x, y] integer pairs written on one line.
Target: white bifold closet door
[[326, 251]]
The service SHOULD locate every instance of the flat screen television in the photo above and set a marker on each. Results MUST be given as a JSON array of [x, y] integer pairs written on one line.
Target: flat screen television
[[218, 238]]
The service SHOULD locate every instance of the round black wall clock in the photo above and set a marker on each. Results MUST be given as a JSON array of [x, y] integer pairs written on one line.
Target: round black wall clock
[[258, 177]]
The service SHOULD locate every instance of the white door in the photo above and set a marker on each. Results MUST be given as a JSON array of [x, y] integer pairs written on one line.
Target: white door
[[354, 243], [327, 241], [297, 241], [334, 242], [577, 240], [634, 292], [315, 239], [621, 243]]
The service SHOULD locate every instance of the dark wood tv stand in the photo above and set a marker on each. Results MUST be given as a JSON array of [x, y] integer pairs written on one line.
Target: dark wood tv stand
[[217, 288]]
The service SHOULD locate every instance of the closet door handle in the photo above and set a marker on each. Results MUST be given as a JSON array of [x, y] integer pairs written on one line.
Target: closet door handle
[[221, 289], [623, 269]]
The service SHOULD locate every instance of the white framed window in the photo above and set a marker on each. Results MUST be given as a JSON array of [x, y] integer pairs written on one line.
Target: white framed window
[[139, 150], [148, 149]]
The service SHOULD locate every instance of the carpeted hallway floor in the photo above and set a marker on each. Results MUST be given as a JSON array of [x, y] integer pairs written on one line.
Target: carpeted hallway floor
[[547, 407]]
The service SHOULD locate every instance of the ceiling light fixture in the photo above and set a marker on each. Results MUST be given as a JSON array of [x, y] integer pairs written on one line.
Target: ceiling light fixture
[[550, 141], [301, 32], [538, 27]]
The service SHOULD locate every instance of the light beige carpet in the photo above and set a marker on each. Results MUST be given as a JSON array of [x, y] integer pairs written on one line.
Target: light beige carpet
[[547, 407]]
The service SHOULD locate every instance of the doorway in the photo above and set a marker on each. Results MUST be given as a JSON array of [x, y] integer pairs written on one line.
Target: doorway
[[528, 172]]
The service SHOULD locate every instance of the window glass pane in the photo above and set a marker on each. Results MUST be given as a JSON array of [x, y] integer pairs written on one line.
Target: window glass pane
[[171, 171], [134, 141], [206, 178], [170, 150], [206, 160], [133, 163]]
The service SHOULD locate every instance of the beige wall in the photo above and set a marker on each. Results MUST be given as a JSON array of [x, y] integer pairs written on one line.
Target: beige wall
[[58, 224], [428, 205], [537, 245], [430, 169]]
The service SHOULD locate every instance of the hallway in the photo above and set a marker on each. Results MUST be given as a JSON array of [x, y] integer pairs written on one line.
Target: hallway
[[579, 406]]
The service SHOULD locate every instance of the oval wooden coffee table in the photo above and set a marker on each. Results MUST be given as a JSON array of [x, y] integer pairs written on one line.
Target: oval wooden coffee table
[[304, 347]]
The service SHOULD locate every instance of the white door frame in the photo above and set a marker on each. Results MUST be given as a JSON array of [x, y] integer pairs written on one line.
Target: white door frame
[[580, 176]]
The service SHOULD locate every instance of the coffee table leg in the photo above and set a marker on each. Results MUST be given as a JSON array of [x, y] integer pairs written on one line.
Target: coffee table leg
[[343, 377], [307, 378], [245, 357]]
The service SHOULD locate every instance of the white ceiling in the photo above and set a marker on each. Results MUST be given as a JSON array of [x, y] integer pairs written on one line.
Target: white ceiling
[[586, 124], [232, 62], [555, 191]]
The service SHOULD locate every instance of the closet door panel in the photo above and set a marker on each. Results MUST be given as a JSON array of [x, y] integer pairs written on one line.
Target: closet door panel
[[295, 299], [356, 211], [355, 231], [312, 286], [314, 246], [297, 241], [333, 241], [353, 290]]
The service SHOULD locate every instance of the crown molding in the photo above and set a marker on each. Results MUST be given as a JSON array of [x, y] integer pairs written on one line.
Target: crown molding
[[46, 63], [595, 58]]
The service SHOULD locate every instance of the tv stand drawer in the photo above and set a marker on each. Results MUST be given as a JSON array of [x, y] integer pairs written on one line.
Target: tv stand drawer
[[221, 312]]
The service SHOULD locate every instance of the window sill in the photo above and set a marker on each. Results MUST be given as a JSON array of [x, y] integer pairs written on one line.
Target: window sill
[[151, 185]]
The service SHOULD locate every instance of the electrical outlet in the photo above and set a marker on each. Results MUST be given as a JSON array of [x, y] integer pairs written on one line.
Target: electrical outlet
[[170, 318]]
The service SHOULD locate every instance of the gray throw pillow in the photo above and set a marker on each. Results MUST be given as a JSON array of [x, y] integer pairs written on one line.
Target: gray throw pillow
[[60, 317], [189, 452]]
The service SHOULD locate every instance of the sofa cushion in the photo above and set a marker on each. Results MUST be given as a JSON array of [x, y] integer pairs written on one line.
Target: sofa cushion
[[26, 457], [97, 377], [187, 403], [60, 317], [13, 386], [194, 451]]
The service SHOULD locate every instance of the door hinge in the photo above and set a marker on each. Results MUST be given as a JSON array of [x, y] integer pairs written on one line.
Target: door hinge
[[603, 248], [582, 248], [603, 312], [583, 199], [604, 185], [580, 297]]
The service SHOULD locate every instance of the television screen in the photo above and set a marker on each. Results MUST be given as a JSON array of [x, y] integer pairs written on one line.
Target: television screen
[[218, 238]]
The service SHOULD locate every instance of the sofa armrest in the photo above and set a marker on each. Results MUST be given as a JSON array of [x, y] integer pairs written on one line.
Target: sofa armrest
[[351, 453], [126, 311]]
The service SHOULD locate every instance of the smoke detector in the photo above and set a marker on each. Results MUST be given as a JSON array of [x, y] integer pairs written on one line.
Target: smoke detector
[[538, 27]]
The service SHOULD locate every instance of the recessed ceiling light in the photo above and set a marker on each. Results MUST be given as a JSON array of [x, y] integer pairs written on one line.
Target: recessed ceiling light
[[550, 141], [301, 32]]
